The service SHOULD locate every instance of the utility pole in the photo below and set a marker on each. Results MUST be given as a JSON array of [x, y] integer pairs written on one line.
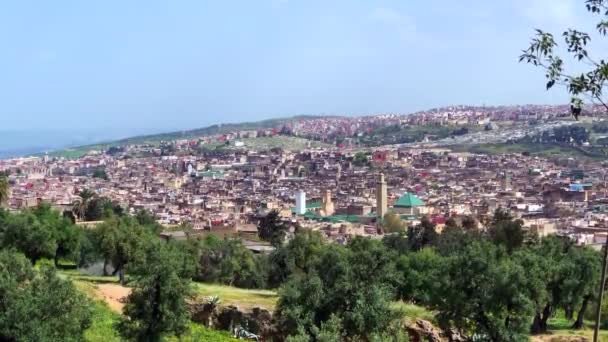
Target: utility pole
[[598, 311]]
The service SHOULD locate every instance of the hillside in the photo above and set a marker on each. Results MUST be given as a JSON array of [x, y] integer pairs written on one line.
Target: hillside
[[78, 151]]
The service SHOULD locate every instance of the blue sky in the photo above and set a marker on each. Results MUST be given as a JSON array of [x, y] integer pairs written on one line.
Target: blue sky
[[127, 67]]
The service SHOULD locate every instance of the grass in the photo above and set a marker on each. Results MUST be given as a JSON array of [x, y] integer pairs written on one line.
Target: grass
[[413, 312], [242, 298], [200, 333], [560, 326], [78, 276], [229, 295], [102, 329]]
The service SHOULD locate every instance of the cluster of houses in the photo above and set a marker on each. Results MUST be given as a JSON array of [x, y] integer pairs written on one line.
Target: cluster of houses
[[324, 189]]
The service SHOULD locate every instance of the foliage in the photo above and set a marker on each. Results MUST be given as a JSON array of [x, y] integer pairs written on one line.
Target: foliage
[[543, 53], [4, 189], [100, 173], [506, 231], [422, 235], [346, 284], [392, 223], [298, 257], [121, 241], [228, 262], [30, 302], [157, 303], [361, 159], [40, 233], [483, 292], [418, 276], [272, 229]]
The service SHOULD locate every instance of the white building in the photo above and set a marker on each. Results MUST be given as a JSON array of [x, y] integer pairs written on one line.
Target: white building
[[300, 202]]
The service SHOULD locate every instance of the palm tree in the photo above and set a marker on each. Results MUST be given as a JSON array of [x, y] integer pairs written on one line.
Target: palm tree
[[79, 206], [4, 190]]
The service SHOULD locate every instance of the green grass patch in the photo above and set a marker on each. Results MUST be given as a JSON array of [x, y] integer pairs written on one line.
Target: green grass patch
[[242, 298], [102, 328], [78, 276], [200, 333], [413, 312]]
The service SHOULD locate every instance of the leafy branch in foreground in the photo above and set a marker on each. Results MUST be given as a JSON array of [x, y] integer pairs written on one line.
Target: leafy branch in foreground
[[543, 52]]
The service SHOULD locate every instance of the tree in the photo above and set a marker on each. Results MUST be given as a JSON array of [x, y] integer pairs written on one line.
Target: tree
[[580, 286], [420, 273], [30, 303], [556, 268], [346, 284], [121, 241], [228, 262], [80, 205], [397, 242], [100, 173], [392, 223], [4, 190], [453, 238], [272, 229], [298, 257], [157, 305], [485, 293], [422, 235], [506, 231], [361, 159], [65, 234], [590, 84], [26, 233]]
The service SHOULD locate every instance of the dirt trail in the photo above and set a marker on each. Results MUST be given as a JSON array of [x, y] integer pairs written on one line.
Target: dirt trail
[[113, 294]]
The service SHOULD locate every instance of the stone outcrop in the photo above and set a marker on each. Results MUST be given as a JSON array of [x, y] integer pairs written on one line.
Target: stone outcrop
[[256, 320], [424, 331]]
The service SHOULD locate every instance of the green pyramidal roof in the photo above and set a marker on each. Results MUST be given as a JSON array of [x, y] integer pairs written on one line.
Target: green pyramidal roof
[[408, 201]]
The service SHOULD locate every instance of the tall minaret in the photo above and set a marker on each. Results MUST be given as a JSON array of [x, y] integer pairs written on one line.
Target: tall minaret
[[381, 205]]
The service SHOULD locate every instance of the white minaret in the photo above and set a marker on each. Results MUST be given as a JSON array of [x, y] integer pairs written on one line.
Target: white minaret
[[381, 197], [300, 202]]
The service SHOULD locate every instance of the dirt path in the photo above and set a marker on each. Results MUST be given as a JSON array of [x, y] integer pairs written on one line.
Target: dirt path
[[113, 294]]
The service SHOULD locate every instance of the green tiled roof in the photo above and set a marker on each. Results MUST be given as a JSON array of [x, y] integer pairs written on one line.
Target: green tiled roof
[[313, 205], [408, 201]]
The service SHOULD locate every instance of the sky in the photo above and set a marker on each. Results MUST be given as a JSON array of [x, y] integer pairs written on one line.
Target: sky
[[117, 68]]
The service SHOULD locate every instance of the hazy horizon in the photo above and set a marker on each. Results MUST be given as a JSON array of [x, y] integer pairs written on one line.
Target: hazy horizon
[[117, 69], [20, 142]]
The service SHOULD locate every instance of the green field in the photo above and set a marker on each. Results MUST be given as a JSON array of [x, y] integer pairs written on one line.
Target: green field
[[242, 298], [102, 329]]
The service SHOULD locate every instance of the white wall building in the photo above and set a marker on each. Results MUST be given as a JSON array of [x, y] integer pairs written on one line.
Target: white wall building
[[300, 202]]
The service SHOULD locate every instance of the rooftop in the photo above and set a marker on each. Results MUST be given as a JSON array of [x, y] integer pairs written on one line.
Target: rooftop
[[409, 200]]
